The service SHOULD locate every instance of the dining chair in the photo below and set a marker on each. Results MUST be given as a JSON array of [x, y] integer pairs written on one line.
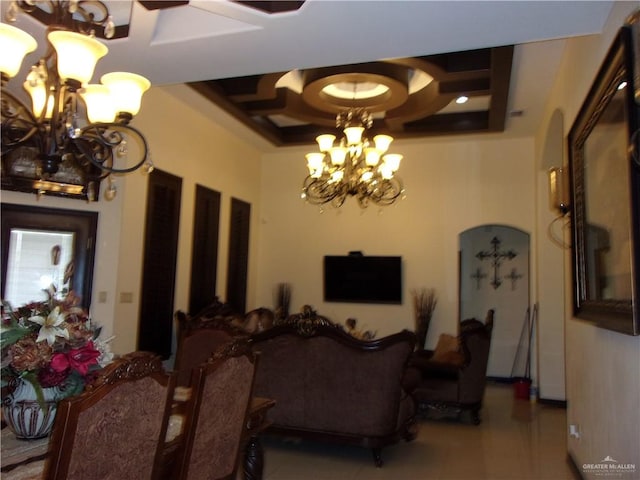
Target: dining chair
[[198, 339], [115, 429], [215, 423]]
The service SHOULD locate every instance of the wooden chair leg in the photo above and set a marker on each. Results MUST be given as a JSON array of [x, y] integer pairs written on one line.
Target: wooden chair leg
[[475, 416], [377, 456], [254, 459]]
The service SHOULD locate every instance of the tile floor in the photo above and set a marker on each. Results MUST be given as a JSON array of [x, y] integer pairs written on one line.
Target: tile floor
[[517, 440]]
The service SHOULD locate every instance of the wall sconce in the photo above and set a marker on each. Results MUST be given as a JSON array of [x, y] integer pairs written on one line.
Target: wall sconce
[[559, 190], [559, 201]]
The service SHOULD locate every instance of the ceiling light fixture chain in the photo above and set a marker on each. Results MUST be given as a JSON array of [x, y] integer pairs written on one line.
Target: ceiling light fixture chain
[[356, 167], [85, 140]]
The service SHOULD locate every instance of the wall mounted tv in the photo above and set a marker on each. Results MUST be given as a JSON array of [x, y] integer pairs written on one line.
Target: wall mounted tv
[[362, 279]]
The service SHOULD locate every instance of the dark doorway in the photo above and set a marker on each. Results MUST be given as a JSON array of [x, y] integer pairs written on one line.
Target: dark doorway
[[159, 263], [204, 255], [238, 254]]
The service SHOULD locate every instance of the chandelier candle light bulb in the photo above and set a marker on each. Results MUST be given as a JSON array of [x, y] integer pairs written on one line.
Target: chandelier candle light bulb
[[77, 55], [38, 93], [354, 135], [126, 91], [338, 155], [14, 44], [99, 103], [382, 142], [325, 142]]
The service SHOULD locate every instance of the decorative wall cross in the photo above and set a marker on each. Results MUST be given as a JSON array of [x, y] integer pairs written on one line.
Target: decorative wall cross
[[497, 257], [478, 276], [513, 276]]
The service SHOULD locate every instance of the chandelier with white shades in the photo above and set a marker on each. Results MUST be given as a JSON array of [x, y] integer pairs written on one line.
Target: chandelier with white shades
[[73, 127], [355, 167]]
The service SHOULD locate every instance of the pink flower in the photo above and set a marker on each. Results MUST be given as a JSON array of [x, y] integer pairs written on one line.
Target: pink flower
[[51, 378], [79, 359]]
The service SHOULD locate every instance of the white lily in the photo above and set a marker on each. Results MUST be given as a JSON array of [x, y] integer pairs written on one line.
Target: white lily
[[50, 328]]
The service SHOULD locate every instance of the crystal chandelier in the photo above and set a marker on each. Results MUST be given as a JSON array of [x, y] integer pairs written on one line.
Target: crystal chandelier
[[75, 134], [356, 167]]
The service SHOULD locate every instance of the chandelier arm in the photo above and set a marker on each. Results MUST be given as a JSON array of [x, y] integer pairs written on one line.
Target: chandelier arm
[[386, 192], [93, 13], [110, 135], [90, 17], [16, 118], [29, 7], [318, 191]]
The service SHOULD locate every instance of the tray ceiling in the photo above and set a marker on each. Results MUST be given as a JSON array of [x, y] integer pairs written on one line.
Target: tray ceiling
[[409, 97]]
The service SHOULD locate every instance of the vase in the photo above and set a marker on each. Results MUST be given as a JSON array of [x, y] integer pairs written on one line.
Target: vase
[[25, 416]]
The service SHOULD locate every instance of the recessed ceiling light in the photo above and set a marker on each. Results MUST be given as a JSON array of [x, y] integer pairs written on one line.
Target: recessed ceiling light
[[462, 99]]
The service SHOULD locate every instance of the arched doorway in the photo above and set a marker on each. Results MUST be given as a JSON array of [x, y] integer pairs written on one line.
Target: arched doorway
[[494, 274]]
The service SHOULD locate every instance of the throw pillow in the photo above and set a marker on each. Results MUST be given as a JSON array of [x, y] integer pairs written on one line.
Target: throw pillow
[[448, 350]]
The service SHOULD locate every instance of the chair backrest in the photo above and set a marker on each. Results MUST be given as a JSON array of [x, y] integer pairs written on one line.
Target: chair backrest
[[115, 430], [198, 339], [324, 379], [475, 339], [216, 417]]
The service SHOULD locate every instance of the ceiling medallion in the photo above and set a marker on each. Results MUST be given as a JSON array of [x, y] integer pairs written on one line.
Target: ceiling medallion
[[374, 86]]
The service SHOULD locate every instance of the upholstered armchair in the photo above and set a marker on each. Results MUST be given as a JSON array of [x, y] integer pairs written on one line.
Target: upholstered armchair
[[452, 378]]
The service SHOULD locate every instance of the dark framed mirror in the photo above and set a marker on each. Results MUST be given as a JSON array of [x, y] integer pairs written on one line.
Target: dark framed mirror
[[605, 185], [43, 246]]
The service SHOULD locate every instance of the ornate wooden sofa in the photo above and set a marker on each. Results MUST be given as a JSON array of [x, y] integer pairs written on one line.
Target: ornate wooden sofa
[[330, 386]]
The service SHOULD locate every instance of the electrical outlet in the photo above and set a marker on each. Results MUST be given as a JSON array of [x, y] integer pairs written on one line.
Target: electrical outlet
[[574, 431], [102, 297], [126, 297]]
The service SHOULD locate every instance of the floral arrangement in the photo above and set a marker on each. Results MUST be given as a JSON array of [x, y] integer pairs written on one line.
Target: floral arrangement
[[51, 343]]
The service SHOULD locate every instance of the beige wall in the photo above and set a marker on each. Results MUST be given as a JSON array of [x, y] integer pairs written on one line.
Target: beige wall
[[452, 184], [186, 140], [603, 376]]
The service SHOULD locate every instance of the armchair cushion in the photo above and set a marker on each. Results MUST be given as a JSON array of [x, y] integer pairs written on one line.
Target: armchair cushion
[[448, 351]]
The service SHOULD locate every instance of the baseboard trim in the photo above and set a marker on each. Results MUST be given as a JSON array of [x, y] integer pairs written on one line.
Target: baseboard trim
[[553, 403], [506, 380], [575, 470]]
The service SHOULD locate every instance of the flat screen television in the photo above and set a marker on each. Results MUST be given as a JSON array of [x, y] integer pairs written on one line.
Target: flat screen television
[[362, 279]]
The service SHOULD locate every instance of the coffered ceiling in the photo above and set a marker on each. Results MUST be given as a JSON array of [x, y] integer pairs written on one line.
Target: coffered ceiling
[[409, 97], [268, 66]]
